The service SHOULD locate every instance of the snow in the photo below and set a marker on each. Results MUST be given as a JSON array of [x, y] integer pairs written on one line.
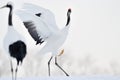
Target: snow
[[70, 78]]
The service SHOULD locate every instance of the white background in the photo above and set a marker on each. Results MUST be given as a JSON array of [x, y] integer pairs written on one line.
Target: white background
[[93, 44]]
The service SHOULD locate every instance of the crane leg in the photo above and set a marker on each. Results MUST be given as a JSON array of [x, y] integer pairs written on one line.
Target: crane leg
[[11, 69], [59, 66], [49, 65], [16, 72]]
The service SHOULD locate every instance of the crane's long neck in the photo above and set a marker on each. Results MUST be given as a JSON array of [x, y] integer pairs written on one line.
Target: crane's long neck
[[68, 19], [10, 17]]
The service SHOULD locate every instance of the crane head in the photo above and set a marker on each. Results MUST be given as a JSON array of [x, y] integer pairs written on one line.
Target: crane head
[[69, 11], [8, 5]]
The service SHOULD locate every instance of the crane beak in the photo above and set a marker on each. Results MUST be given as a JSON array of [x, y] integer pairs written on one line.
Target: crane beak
[[3, 7]]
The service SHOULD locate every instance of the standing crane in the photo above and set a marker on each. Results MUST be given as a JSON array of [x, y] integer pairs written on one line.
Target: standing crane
[[14, 43], [41, 25]]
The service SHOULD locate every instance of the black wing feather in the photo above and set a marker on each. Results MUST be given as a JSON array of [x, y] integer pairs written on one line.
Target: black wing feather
[[18, 50], [38, 14], [33, 32]]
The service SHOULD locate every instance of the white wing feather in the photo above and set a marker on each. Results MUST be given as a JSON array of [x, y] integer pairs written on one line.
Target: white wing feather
[[46, 14], [42, 29]]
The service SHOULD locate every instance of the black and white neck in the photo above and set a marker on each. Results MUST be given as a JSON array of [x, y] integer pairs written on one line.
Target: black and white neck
[[68, 17], [10, 15], [10, 6]]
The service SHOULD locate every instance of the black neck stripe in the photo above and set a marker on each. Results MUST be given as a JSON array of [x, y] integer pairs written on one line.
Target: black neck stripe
[[68, 20], [10, 17]]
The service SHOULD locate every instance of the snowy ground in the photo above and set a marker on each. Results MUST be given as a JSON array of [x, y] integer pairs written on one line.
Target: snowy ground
[[70, 78]]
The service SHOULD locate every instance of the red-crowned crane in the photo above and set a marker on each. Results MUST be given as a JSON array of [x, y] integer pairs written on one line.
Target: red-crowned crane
[[14, 43], [42, 27]]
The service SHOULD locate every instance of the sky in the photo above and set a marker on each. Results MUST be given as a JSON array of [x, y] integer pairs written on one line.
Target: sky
[[94, 30]]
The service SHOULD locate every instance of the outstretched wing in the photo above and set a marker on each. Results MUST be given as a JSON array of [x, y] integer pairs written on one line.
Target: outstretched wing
[[45, 14], [37, 28], [32, 30]]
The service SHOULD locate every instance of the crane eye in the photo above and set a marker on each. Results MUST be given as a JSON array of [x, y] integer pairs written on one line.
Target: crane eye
[[38, 14]]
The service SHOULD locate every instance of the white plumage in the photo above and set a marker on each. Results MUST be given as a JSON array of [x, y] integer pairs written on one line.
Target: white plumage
[[47, 16], [11, 36], [41, 25]]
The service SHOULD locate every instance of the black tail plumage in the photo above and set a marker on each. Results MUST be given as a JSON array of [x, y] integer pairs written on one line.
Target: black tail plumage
[[18, 50]]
